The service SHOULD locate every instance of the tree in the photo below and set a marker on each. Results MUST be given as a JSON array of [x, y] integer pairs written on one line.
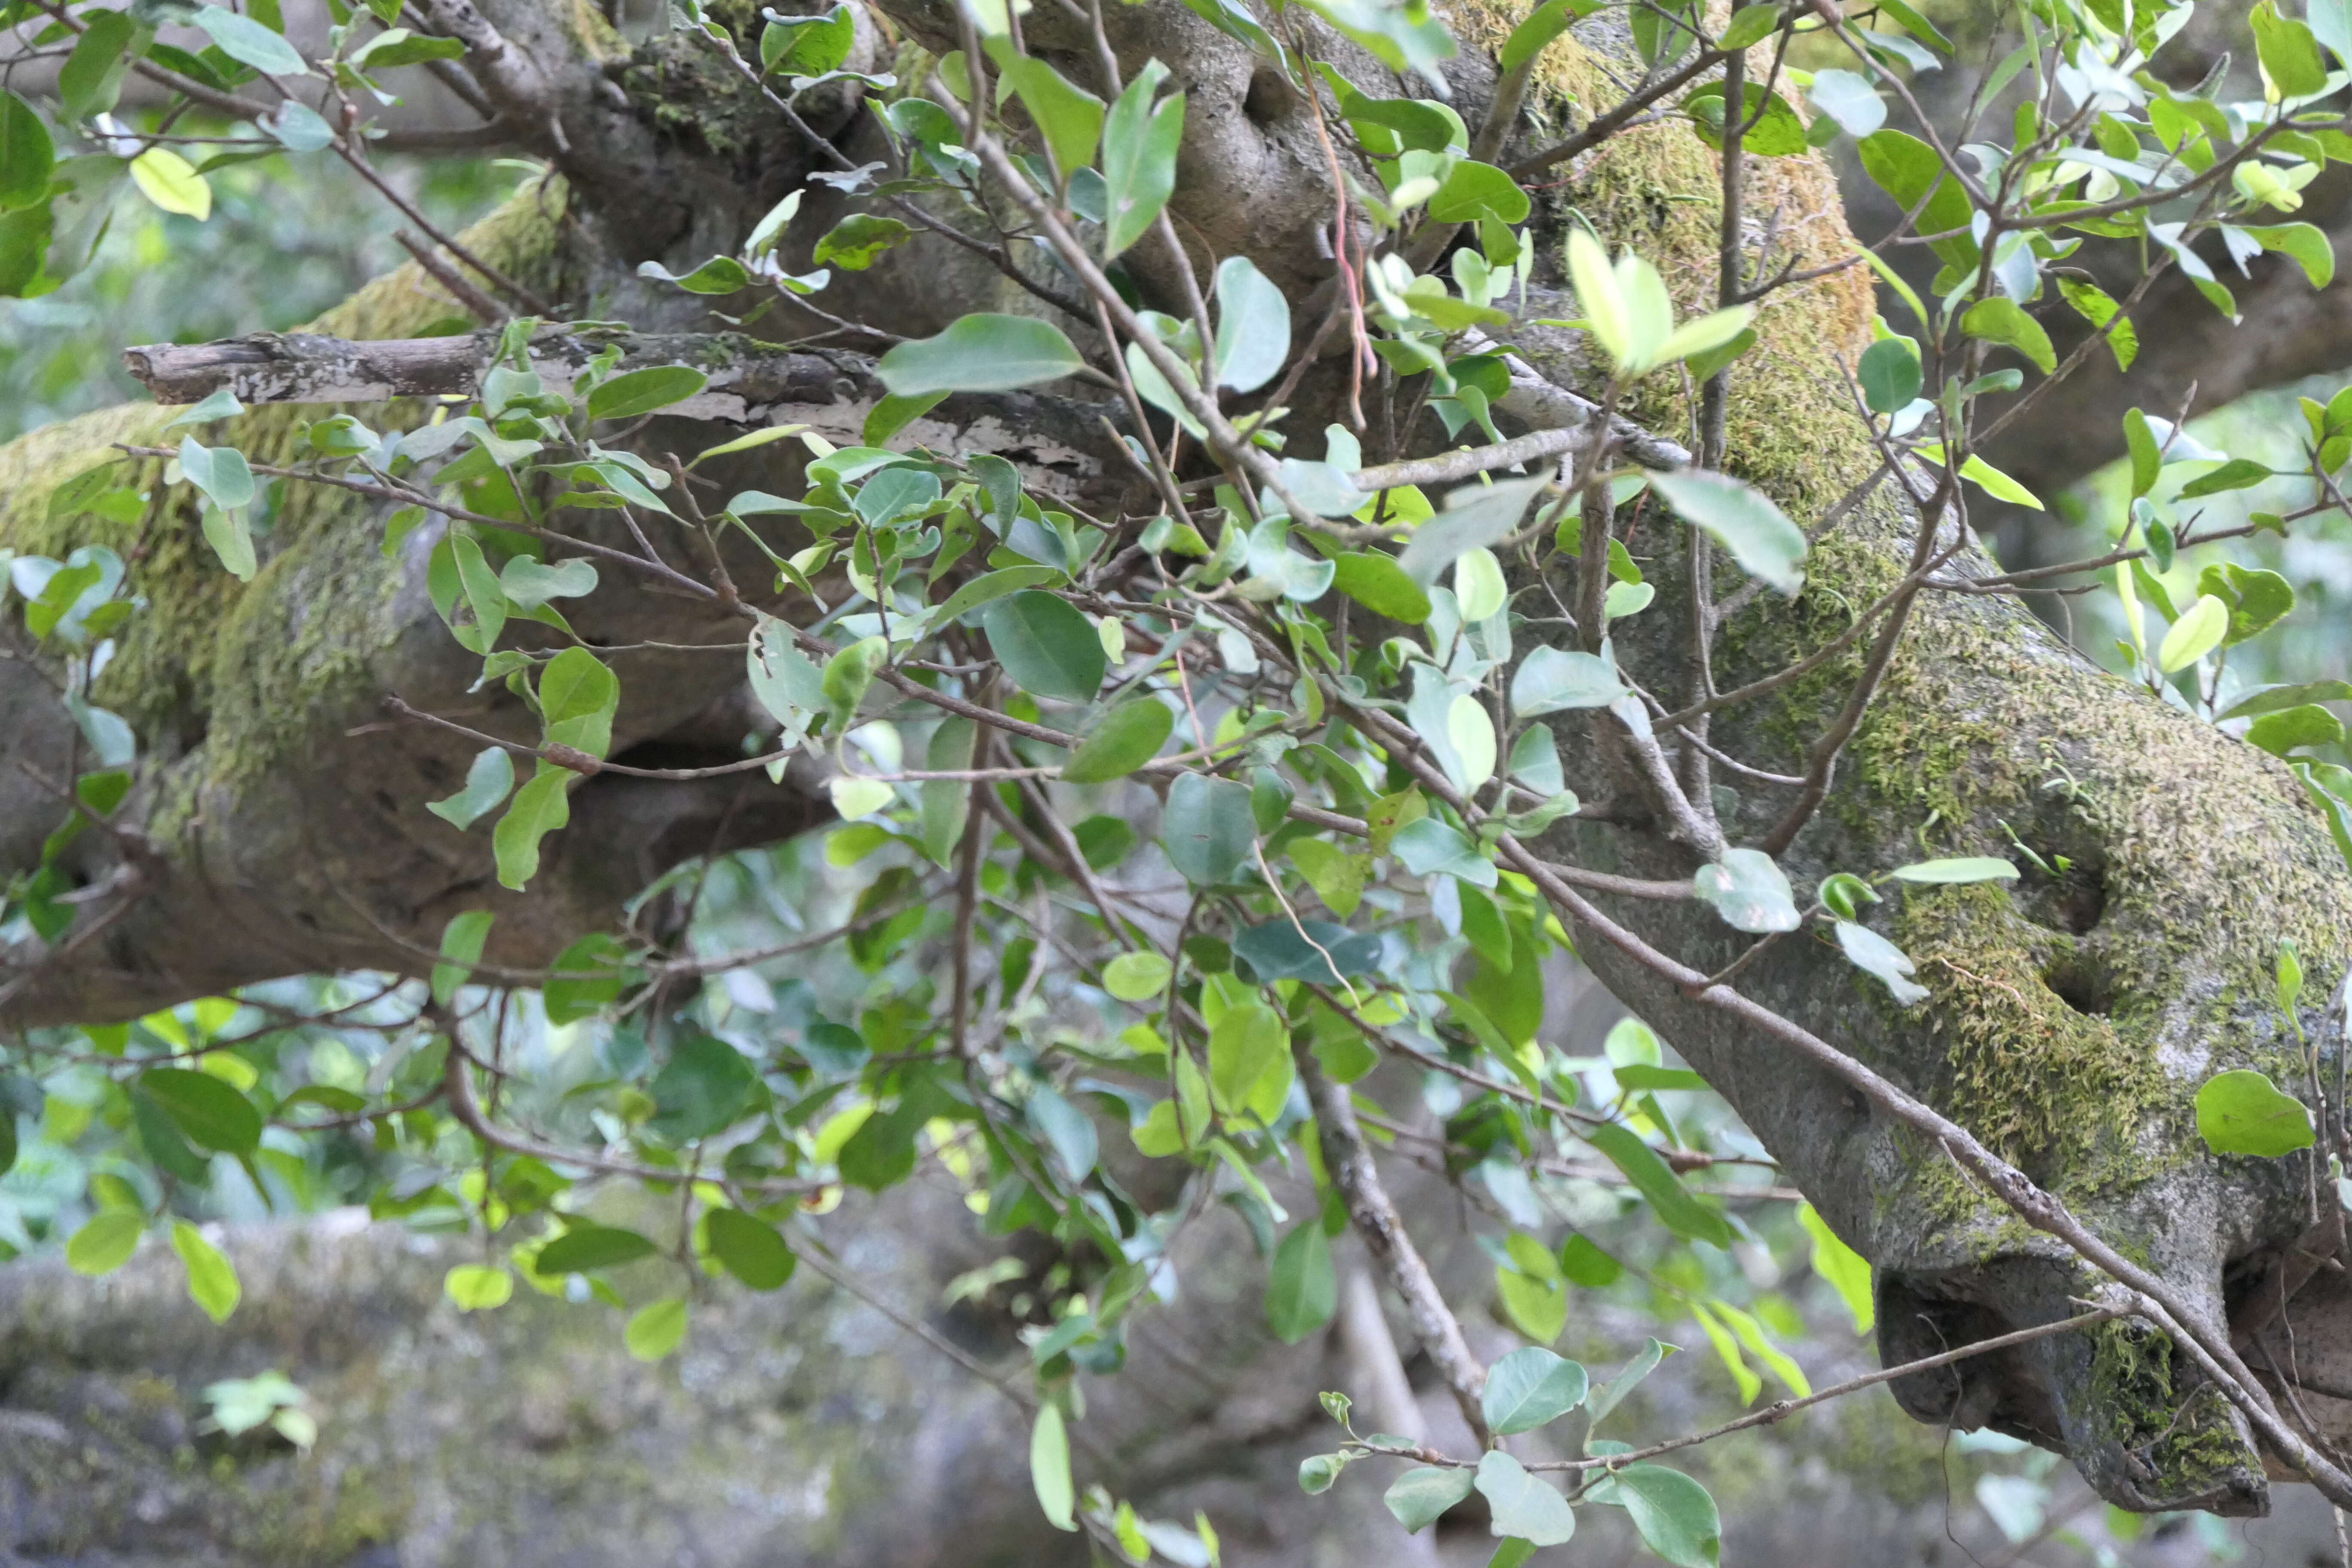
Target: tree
[[1632, 590]]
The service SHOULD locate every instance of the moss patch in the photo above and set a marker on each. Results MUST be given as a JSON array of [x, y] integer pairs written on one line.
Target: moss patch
[[2187, 1441]]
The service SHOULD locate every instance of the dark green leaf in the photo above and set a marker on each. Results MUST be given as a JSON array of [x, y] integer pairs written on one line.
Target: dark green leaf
[[636, 392], [752, 1249], [1046, 646], [1530, 1387], [1306, 950], [1302, 1291], [1890, 374], [1208, 828], [981, 352], [2281, 733], [705, 1086], [1139, 165], [1419, 1497], [212, 1114], [1128, 736], [1676, 1210], [591, 1247]]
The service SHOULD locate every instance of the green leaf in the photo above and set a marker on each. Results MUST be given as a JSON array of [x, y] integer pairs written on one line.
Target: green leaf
[[210, 1112], [1612, 1393], [249, 42], [2147, 454], [1530, 1387], [1252, 326], [1748, 890], [1847, 1271], [1428, 848], [1962, 868], [2281, 733], [586, 1247], [2289, 53], [1069, 117], [655, 1330], [1046, 646], [530, 584], [90, 81], [1890, 374], [1677, 1517], [478, 1287], [105, 1243], [636, 392], [1139, 164], [585, 977], [1774, 130], [857, 242], [1475, 516], [1128, 736], [1742, 518], [1208, 828], [808, 46], [1551, 680], [750, 1247], [1918, 26], [461, 949], [1849, 99], [2258, 600], [1529, 38], [705, 1088], [211, 1277], [539, 807], [1650, 1175], [1137, 976], [2196, 633], [1474, 192], [231, 538], [981, 352], [2242, 1112], [1244, 1045], [1873, 954], [1281, 948], [1302, 1291], [221, 472], [2095, 305], [2305, 243], [577, 696], [1378, 584], [2279, 697], [27, 154], [1049, 1467], [2236, 474], [1419, 1497], [1523, 1506], [2002, 321], [1583, 1263], [719, 275]]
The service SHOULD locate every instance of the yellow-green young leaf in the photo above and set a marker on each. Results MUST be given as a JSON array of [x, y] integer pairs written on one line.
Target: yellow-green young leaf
[[1985, 477], [1706, 332], [105, 1243], [478, 1287], [169, 180], [1136, 976], [1336, 875], [539, 807], [1597, 295], [1847, 1271], [211, 1277], [1049, 1467], [1728, 1347], [2242, 1112], [2196, 633], [657, 1330]]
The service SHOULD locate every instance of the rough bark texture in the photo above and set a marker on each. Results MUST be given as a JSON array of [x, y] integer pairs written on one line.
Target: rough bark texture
[[2069, 1023]]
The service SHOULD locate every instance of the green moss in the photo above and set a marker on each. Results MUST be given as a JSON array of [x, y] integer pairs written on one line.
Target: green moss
[[209, 659], [2188, 1442]]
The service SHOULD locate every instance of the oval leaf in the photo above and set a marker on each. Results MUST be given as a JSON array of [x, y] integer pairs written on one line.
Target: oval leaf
[[2242, 1112], [981, 352]]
